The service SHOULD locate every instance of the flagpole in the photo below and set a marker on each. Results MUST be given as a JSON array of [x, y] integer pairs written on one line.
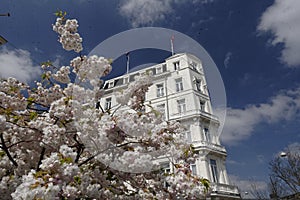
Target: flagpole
[[172, 45], [127, 64]]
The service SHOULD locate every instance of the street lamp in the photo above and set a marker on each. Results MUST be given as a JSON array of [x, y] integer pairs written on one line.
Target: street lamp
[[2, 40], [5, 15], [283, 154]]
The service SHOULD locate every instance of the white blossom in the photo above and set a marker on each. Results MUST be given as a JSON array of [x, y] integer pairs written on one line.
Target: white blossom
[[55, 143], [69, 38]]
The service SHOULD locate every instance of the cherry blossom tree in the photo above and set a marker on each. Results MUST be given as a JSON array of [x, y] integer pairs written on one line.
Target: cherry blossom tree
[[58, 143]]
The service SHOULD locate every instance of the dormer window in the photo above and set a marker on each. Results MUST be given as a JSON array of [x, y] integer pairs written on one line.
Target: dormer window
[[158, 70], [126, 80], [176, 65], [111, 84]]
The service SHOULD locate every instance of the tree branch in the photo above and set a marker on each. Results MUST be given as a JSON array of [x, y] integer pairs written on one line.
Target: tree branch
[[41, 158], [5, 149]]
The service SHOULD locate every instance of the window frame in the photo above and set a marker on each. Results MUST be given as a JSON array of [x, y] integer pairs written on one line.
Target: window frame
[[206, 134], [176, 65], [188, 136], [162, 109], [108, 103], [179, 84], [194, 65], [202, 105], [160, 91], [181, 106], [159, 70], [214, 170], [193, 168], [197, 82]]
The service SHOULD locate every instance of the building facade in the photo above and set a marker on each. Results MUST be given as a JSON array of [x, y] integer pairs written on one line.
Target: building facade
[[180, 92]]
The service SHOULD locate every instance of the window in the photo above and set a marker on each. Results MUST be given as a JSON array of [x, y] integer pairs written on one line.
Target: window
[[176, 65], [126, 80], [214, 170], [158, 70], [202, 105], [193, 168], [111, 84], [107, 103], [179, 84], [198, 84], [181, 105], [160, 90], [166, 168], [164, 67], [161, 109], [193, 65], [206, 134], [188, 136], [166, 171]]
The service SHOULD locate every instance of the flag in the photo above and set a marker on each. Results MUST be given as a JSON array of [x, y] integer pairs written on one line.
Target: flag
[[2, 40]]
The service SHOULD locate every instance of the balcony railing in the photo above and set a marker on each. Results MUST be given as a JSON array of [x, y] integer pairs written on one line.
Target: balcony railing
[[224, 189], [195, 112], [209, 145]]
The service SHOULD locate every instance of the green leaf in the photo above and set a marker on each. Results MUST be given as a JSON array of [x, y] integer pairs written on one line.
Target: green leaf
[[110, 61], [2, 154], [77, 180], [44, 76], [60, 13], [30, 100], [33, 115], [47, 63], [66, 160]]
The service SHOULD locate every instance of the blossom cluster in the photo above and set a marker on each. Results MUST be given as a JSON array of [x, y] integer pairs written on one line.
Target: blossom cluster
[[56, 144], [62, 75], [69, 38], [91, 68], [133, 96]]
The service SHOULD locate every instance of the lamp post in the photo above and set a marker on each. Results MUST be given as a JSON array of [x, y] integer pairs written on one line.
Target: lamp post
[[283, 154], [5, 15], [2, 40]]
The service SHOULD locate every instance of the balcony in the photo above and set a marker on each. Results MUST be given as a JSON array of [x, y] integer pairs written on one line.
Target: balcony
[[224, 190], [209, 145], [195, 112]]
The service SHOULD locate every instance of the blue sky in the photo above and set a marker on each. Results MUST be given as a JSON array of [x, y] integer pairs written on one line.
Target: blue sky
[[253, 43]]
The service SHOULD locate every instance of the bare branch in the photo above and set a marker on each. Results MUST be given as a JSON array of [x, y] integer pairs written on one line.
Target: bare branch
[[5, 149]]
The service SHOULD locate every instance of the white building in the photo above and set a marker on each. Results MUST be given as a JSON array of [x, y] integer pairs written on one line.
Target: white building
[[179, 91]]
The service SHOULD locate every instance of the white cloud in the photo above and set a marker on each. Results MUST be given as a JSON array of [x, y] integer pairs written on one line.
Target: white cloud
[[240, 123], [247, 187], [17, 64], [146, 12], [283, 20]]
